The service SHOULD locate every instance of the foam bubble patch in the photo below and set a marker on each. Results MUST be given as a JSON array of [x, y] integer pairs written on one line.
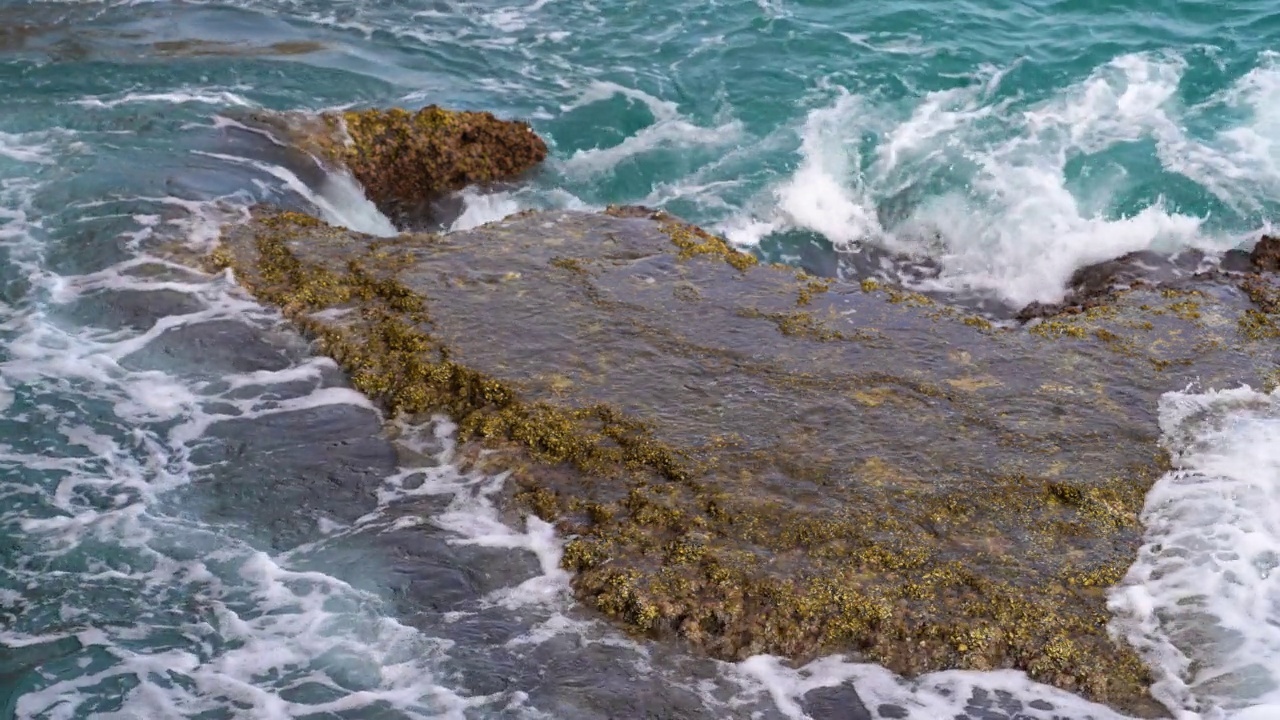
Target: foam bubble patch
[[835, 687], [1202, 601]]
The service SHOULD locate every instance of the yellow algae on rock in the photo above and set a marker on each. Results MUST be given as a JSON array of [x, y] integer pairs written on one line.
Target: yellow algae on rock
[[407, 160], [733, 470]]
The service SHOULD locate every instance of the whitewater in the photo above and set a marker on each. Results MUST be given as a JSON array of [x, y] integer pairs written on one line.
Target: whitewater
[[149, 569]]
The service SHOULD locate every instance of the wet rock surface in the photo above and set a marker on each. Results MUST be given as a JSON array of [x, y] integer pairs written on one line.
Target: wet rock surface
[[298, 469], [218, 346], [757, 460]]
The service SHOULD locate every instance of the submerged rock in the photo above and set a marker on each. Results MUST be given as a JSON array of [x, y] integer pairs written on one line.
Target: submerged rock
[[759, 461], [196, 47]]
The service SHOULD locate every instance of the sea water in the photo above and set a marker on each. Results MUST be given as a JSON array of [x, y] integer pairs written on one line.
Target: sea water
[[197, 516]]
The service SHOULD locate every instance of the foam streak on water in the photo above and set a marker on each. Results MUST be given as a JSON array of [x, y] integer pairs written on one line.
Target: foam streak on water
[[1202, 601]]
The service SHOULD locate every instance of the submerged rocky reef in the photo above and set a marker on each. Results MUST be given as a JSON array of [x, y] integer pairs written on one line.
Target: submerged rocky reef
[[749, 458]]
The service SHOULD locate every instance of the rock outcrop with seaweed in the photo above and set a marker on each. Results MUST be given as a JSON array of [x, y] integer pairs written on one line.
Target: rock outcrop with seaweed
[[1266, 254], [755, 460], [407, 161]]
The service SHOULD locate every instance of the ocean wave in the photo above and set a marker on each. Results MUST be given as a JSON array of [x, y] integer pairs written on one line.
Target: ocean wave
[[1001, 201]]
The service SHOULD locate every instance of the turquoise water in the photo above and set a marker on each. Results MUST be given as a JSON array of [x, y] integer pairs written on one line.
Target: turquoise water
[[196, 517]]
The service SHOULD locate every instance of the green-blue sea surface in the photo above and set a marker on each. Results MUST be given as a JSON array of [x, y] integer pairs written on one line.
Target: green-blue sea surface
[[196, 517]]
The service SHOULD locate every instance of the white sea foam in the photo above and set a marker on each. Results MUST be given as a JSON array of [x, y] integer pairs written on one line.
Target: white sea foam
[[205, 96], [910, 44], [481, 208], [242, 615], [269, 620], [669, 129], [22, 149], [1202, 601], [823, 194], [1240, 165], [472, 517], [927, 697], [340, 201], [1019, 228], [6, 396], [507, 20]]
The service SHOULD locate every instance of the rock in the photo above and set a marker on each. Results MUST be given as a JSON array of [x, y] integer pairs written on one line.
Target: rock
[[295, 469], [407, 161], [1237, 261], [836, 703], [404, 158], [999, 705], [1266, 254], [756, 460], [135, 309], [216, 346], [1094, 284], [196, 47], [1092, 281]]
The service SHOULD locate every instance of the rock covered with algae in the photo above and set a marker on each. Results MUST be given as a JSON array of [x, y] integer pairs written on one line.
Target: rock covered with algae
[[754, 460], [406, 160], [1266, 254]]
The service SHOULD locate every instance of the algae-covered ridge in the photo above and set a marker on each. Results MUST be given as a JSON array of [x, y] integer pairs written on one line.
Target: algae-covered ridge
[[391, 356], [754, 461]]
